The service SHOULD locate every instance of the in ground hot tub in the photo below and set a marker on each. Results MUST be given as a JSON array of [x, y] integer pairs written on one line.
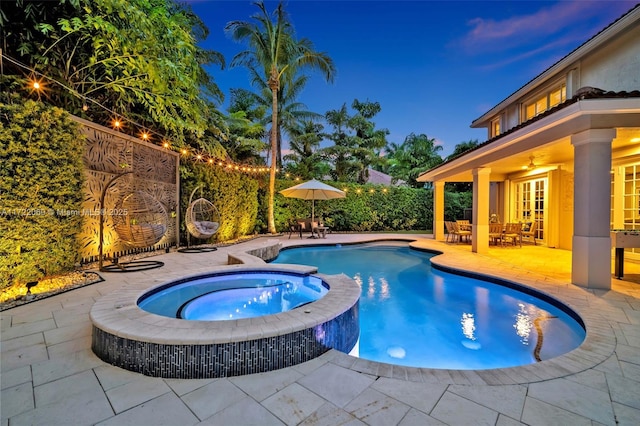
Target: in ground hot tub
[[228, 296], [162, 345]]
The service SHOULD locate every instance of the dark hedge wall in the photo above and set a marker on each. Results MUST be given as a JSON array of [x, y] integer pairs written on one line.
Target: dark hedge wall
[[40, 191]]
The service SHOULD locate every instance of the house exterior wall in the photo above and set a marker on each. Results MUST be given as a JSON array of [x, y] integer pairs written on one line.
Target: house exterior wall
[[614, 66]]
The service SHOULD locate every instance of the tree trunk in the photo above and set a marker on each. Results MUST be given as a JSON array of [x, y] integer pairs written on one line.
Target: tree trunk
[[274, 85]]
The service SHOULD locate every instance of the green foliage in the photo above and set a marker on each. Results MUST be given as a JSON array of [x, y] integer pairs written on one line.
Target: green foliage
[[304, 161], [455, 203], [234, 194], [463, 147], [357, 142], [40, 192], [137, 56], [417, 154], [365, 208]]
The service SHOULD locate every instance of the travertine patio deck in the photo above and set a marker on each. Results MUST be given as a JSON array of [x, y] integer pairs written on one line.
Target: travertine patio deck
[[49, 375]]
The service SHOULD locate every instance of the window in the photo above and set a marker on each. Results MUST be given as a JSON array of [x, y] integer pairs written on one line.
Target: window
[[545, 102], [495, 127]]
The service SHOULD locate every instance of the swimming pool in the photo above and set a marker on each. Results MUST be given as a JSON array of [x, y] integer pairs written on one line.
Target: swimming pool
[[414, 315]]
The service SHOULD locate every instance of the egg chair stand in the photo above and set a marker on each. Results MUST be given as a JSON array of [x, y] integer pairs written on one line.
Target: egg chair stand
[[143, 225], [202, 220]]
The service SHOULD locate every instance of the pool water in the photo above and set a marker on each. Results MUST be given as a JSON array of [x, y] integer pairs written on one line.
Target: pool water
[[414, 315], [233, 296]]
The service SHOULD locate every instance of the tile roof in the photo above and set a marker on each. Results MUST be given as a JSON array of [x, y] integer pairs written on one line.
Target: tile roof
[[583, 93]]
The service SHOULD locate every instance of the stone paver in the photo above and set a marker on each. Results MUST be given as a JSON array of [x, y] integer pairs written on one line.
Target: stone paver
[[212, 398], [50, 375]]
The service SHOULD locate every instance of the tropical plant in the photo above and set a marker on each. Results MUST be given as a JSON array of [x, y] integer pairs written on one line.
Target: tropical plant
[[462, 147], [304, 162], [139, 58], [246, 131], [357, 142], [417, 154], [291, 113], [274, 54], [458, 150]]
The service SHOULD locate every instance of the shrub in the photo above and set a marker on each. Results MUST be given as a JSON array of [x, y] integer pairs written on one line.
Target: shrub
[[41, 191]]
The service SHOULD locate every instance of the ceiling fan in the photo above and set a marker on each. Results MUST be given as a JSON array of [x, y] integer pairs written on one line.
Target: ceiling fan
[[532, 165]]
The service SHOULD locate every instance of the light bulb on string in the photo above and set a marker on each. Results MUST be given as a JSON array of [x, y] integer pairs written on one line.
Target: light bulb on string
[[38, 83]]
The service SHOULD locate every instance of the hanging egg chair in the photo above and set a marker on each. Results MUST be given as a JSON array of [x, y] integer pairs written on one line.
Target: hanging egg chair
[[141, 220], [202, 218]]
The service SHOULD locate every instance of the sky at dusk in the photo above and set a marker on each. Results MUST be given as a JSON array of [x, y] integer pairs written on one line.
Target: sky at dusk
[[434, 66]]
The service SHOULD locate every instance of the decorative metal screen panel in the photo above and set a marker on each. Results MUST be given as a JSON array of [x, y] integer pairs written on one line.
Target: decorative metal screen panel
[[154, 170]]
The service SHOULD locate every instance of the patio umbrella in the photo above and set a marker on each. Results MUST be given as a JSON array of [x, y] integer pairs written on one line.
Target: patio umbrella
[[313, 190]]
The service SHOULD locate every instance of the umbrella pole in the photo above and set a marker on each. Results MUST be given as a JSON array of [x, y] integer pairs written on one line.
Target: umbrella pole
[[313, 207]]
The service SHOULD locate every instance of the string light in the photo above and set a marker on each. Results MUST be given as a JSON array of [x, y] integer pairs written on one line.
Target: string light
[[36, 84]]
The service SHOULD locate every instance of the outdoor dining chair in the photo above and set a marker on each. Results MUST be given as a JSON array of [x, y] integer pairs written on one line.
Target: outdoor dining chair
[[513, 232], [495, 233]]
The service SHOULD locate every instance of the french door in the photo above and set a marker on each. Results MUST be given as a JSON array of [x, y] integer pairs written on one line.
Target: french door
[[530, 202]]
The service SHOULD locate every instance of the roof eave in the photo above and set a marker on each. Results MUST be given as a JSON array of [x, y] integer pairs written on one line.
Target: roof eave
[[587, 47]]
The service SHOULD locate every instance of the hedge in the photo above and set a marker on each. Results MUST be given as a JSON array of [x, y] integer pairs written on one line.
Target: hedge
[[365, 208], [41, 193], [233, 193]]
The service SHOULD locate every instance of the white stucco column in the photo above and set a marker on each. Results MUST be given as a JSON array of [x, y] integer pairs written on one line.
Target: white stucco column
[[480, 218], [438, 211], [591, 257]]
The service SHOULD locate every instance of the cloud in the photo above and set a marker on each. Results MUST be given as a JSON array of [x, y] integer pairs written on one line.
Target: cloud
[[555, 20], [528, 54]]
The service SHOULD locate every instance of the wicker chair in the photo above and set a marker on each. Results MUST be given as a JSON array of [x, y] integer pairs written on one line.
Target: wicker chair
[[202, 219], [145, 221]]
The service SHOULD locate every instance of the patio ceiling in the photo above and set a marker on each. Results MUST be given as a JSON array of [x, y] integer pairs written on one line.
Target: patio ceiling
[[548, 141]]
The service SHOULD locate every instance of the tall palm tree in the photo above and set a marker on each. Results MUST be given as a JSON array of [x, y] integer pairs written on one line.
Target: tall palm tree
[[291, 113], [274, 49]]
